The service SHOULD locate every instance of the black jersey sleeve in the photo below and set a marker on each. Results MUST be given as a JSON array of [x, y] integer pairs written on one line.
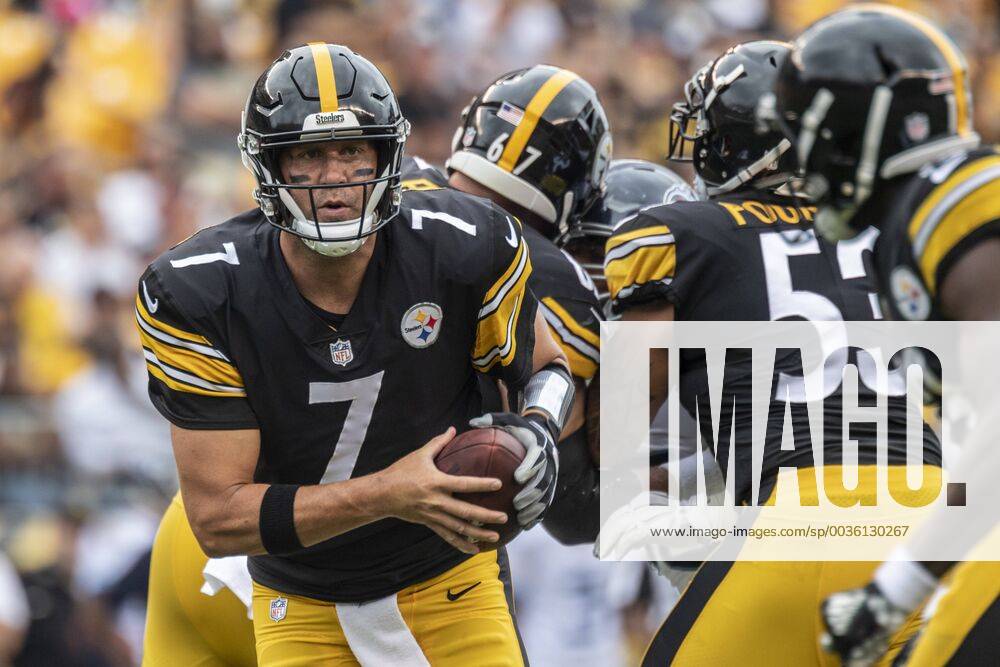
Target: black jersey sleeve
[[568, 301], [505, 338], [961, 211], [192, 380]]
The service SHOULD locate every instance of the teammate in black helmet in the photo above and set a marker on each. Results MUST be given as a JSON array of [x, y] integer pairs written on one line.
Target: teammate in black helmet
[[314, 354], [629, 187], [536, 142], [877, 103], [539, 138], [748, 253]]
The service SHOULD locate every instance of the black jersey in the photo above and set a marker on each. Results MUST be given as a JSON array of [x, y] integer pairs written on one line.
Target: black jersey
[[928, 222], [417, 173], [230, 343], [752, 256], [566, 295], [568, 299]]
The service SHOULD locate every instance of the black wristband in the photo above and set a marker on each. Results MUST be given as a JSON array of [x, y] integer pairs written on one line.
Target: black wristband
[[277, 520]]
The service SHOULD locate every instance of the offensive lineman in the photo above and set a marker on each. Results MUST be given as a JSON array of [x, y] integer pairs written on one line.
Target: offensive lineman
[[740, 256], [919, 176], [305, 353]]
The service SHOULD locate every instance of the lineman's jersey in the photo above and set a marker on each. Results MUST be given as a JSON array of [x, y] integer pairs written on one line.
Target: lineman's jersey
[[935, 218], [566, 295], [230, 343], [742, 257]]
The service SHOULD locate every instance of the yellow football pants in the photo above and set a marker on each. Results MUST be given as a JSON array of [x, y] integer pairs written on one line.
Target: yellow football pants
[[765, 613], [965, 627], [185, 627], [462, 617]]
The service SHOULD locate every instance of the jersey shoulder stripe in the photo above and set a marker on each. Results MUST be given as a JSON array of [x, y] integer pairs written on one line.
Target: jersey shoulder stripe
[[581, 345], [501, 309], [640, 254], [964, 202], [183, 360]]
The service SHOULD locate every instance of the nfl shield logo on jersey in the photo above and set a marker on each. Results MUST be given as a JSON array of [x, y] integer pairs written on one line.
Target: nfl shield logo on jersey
[[341, 352], [279, 607], [421, 324]]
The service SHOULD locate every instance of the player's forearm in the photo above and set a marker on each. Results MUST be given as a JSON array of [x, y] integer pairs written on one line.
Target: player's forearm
[[232, 525], [546, 350]]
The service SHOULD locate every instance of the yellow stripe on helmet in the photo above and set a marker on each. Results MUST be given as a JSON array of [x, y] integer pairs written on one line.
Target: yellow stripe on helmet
[[532, 113], [325, 78], [951, 53]]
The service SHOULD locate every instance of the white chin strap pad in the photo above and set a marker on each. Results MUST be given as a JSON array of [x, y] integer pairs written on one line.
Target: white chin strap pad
[[334, 248], [503, 182]]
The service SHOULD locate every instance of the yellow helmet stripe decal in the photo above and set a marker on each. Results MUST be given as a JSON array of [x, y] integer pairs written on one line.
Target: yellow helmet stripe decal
[[325, 77], [534, 111], [951, 54]]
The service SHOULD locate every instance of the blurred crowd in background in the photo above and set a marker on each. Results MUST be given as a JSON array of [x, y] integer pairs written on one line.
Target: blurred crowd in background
[[118, 121]]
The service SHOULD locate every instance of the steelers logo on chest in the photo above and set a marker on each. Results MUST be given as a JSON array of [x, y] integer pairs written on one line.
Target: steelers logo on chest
[[421, 324], [912, 300]]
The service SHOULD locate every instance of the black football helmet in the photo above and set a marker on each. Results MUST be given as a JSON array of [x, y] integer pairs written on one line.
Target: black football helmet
[[540, 138], [715, 127], [318, 93], [869, 93], [630, 186]]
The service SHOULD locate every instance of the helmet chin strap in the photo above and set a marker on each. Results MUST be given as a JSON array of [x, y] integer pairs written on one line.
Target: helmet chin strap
[[334, 248], [748, 173]]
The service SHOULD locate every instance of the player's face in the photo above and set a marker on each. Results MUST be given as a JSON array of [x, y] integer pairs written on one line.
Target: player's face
[[329, 162]]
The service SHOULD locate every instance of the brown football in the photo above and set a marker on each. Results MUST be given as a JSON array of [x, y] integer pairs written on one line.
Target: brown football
[[487, 452]]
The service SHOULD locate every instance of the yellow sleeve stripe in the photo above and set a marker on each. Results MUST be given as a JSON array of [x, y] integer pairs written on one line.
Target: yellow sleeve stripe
[[326, 79], [211, 370], [918, 230], [568, 321], [503, 285], [644, 265], [496, 337], [580, 366], [499, 352], [178, 380], [976, 209], [963, 180], [532, 113], [621, 239], [583, 352], [174, 332], [419, 184]]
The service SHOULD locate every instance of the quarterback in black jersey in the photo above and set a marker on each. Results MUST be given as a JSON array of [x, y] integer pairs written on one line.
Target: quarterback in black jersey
[[535, 142], [740, 256], [313, 358], [890, 145]]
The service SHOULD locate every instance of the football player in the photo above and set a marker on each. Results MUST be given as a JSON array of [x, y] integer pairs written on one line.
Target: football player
[[536, 142], [313, 355], [884, 139], [748, 253], [630, 186]]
